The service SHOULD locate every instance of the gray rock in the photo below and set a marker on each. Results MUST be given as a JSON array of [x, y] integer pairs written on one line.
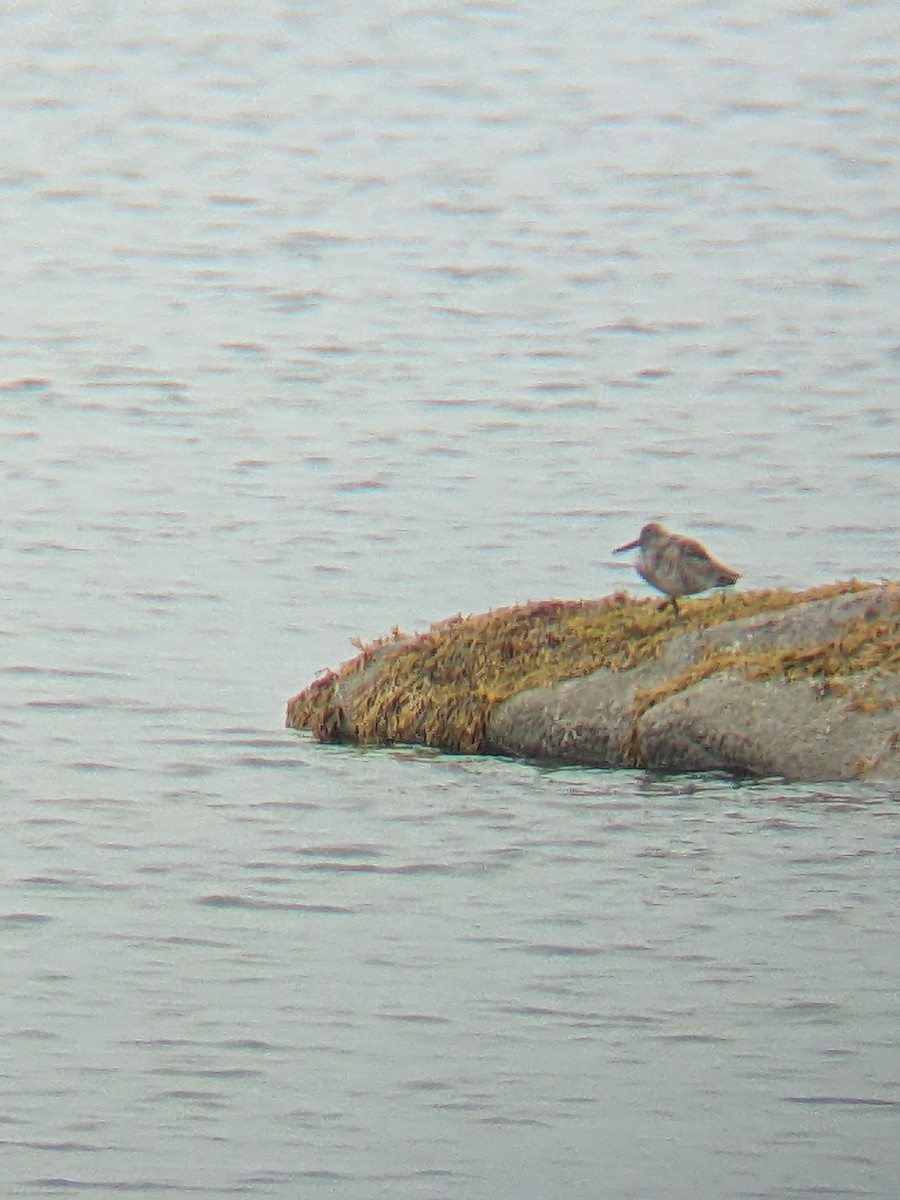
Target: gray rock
[[808, 729], [770, 727]]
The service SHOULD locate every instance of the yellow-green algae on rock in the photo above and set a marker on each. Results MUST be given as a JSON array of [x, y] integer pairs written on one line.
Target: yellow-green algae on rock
[[438, 688]]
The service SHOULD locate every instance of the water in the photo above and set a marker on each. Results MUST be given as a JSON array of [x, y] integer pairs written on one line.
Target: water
[[324, 319]]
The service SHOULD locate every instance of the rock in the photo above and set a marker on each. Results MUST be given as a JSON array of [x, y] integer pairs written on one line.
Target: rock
[[799, 731], [829, 726], [806, 686], [586, 721]]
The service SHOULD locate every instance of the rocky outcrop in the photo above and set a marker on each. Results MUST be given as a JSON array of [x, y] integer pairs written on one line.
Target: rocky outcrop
[[820, 726], [807, 689]]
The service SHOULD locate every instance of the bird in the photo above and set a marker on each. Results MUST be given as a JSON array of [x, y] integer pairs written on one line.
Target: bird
[[676, 565]]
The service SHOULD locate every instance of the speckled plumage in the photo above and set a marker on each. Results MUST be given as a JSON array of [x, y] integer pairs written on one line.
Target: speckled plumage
[[677, 565]]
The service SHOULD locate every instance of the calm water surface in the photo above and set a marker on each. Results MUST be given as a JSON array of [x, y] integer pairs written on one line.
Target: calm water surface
[[321, 319]]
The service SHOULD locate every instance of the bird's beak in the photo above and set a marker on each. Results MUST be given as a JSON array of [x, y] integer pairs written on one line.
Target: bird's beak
[[628, 546]]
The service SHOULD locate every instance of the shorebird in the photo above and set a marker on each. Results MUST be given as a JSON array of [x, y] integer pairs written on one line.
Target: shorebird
[[676, 565]]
